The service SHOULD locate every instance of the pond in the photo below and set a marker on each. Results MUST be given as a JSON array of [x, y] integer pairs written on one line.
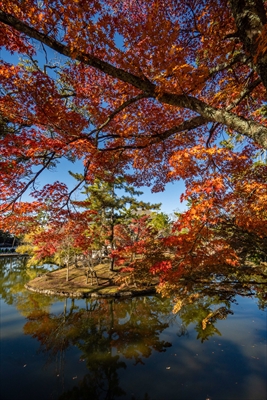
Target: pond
[[134, 349]]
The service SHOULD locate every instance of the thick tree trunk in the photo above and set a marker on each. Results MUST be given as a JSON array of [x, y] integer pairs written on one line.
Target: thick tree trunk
[[250, 18]]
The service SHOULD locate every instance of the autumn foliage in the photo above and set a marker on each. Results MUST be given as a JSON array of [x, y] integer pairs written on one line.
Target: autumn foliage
[[153, 90]]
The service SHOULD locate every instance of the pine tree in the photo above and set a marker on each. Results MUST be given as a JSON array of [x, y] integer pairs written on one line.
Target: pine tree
[[115, 202]]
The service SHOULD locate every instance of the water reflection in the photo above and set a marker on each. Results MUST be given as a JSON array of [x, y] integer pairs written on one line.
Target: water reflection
[[13, 276], [135, 348], [247, 280], [105, 331]]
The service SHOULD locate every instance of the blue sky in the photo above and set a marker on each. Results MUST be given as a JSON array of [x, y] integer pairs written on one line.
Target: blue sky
[[169, 198]]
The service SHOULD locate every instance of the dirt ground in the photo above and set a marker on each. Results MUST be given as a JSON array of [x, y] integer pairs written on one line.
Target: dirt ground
[[110, 283]]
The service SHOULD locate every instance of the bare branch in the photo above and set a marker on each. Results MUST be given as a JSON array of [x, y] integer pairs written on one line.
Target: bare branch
[[31, 181]]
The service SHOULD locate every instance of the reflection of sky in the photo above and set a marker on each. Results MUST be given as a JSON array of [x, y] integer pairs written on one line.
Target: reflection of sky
[[227, 367], [11, 323], [230, 367]]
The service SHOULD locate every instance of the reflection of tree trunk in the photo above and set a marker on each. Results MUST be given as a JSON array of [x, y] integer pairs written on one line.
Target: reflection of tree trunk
[[111, 310], [72, 306], [131, 307], [65, 310], [112, 261], [60, 357]]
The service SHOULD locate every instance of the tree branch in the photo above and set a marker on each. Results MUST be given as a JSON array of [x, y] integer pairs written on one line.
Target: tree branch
[[115, 112], [221, 67], [250, 18], [244, 94], [31, 181], [248, 128], [159, 137]]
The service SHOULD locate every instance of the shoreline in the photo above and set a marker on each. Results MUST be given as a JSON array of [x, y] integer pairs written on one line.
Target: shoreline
[[95, 293], [55, 284], [13, 255]]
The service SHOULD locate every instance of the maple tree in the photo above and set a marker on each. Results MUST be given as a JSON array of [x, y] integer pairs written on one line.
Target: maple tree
[[155, 90], [140, 249], [61, 241]]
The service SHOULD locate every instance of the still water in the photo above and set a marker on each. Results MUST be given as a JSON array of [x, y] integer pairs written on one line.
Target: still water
[[134, 349]]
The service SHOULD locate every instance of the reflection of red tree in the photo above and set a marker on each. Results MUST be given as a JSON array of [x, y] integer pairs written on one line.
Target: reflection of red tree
[[135, 338], [138, 335]]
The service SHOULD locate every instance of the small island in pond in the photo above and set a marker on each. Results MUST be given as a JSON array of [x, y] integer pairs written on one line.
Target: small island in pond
[[108, 283]]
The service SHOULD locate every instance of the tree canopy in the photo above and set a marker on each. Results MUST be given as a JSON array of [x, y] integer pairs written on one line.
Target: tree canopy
[[153, 90]]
